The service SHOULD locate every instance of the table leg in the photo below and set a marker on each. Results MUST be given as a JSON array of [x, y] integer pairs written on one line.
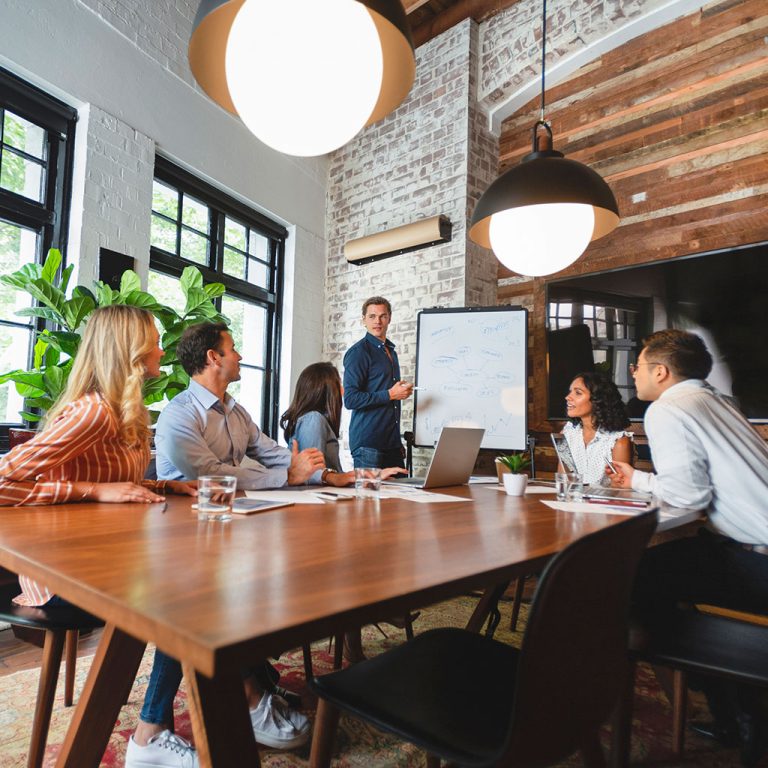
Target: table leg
[[220, 721], [487, 602], [109, 681]]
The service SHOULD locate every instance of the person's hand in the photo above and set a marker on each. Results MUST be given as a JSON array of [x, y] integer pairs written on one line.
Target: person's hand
[[401, 390], [114, 492], [182, 487], [340, 479], [304, 464], [389, 471], [622, 477]]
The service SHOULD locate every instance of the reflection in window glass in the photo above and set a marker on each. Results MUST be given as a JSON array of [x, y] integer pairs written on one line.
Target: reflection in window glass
[[194, 247], [163, 234], [247, 324], [234, 263], [195, 214], [21, 134], [165, 200], [249, 392], [235, 234], [14, 348], [22, 176], [18, 246]]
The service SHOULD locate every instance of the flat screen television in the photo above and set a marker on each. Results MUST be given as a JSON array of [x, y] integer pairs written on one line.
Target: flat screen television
[[598, 321]]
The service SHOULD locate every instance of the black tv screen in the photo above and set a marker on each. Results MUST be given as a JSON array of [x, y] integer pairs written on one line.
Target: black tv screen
[[598, 321]]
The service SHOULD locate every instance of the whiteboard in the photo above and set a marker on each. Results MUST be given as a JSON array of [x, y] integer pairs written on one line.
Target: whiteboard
[[471, 370]]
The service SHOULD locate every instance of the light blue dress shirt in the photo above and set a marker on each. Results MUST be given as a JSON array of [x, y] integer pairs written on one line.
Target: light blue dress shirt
[[197, 435], [313, 430]]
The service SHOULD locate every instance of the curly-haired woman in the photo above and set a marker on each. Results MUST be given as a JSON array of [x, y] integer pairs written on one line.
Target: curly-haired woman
[[595, 430]]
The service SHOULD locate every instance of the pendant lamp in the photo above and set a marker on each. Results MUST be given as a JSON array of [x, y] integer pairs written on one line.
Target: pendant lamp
[[305, 76], [540, 216]]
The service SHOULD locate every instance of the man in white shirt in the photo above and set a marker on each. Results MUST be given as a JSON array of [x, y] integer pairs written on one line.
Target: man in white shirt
[[707, 456]]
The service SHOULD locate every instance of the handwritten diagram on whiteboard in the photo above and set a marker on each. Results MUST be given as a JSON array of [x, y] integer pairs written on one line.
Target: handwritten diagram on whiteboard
[[471, 371]]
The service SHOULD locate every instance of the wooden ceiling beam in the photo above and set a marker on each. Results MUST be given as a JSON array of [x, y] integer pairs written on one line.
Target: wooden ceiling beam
[[479, 10]]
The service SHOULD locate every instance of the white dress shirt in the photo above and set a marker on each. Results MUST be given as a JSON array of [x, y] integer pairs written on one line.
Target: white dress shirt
[[197, 435], [708, 456]]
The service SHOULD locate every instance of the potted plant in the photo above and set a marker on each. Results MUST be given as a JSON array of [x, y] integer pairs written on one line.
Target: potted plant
[[57, 345], [509, 468]]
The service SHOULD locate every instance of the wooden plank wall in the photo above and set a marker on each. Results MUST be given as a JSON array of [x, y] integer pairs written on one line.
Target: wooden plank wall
[[679, 114]]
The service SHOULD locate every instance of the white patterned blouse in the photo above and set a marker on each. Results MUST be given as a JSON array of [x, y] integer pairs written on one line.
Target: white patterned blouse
[[591, 459]]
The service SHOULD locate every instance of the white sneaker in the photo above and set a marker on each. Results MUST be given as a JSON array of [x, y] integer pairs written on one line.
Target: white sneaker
[[276, 725], [164, 750]]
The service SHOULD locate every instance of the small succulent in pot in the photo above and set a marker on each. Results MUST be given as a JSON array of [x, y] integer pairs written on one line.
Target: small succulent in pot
[[514, 462]]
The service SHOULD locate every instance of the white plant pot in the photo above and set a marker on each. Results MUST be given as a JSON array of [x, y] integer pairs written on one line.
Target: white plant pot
[[515, 485]]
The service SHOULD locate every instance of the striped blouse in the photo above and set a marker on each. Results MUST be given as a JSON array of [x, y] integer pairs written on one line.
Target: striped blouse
[[81, 445]]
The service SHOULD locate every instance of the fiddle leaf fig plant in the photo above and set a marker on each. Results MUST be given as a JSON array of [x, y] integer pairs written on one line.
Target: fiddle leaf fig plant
[[57, 344]]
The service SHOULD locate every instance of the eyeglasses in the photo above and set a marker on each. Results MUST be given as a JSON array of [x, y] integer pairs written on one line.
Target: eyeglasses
[[634, 366]]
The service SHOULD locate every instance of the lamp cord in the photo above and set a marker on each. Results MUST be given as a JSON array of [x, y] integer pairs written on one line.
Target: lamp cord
[[543, 52]]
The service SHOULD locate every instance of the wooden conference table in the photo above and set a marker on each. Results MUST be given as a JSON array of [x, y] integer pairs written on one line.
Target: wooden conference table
[[220, 595]]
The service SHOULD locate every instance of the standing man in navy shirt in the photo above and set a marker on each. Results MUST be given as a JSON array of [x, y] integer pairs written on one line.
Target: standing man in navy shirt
[[373, 391]]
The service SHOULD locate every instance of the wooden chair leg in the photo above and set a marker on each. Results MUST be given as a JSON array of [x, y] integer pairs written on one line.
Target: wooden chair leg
[[326, 722], [70, 660], [338, 650], [679, 710], [592, 752], [621, 722], [46, 690], [408, 626], [308, 671], [519, 589]]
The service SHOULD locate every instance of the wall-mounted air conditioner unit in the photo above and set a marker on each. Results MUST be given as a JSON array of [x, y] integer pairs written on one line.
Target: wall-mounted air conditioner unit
[[393, 242]]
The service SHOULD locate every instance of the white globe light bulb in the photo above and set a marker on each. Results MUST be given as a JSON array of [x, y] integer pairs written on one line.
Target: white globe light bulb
[[537, 240], [304, 75]]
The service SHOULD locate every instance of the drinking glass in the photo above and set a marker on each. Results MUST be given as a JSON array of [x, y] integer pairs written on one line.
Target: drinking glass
[[367, 481], [215, 494], [561, 485], [575, 490]]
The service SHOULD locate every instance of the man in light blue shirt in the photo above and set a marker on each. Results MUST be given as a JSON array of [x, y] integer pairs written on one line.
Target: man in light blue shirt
[[203, 431]]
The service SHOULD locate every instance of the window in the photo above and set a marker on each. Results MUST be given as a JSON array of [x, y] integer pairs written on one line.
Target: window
[[616, 324], [195, 224], [36, 149]]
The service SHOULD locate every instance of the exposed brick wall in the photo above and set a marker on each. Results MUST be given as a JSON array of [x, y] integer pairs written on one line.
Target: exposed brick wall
[[116, 192], [511, 40], [159, 29]]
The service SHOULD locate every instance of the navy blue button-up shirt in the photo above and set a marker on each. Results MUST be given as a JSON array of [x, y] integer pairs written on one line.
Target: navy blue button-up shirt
[[368, 376]]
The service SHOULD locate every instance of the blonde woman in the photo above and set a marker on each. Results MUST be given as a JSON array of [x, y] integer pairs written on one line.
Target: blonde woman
[[94, 445]]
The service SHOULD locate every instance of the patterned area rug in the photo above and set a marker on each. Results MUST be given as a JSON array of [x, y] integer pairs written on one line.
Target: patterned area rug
[[358, 745]]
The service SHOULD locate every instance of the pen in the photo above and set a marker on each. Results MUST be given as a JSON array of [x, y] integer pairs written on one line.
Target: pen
[[613, 469]]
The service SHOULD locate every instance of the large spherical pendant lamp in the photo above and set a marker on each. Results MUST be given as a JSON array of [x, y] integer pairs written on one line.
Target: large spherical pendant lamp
[[305, 76], [541, 215]]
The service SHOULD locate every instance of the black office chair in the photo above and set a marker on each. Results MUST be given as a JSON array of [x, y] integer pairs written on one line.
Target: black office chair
[[477, 702], [691, 641], [62, 624]]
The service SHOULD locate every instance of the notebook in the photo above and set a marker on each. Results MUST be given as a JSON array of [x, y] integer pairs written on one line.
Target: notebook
[[452, 462]]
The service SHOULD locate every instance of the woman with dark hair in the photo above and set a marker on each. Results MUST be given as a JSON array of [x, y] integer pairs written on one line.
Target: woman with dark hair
[[595, 430], [313, 420]]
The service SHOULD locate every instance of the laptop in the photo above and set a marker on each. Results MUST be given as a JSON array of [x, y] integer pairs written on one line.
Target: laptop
[[452, 462], [563, 451]]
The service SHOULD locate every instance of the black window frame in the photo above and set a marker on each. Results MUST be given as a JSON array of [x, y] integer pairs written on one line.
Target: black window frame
[[51, 217], [222, 205]]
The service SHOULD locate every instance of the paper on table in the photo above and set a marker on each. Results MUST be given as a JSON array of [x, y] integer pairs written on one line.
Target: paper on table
[[295, 497], [529, 489], [418, 495], [584, 506]]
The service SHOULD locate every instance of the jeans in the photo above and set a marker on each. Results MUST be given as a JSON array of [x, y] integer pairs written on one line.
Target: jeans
[[372, 457]]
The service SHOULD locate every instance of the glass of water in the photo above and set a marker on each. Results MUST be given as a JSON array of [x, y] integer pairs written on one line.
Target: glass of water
[[561, 485], [215, 494], [367, 481], [575, 490]]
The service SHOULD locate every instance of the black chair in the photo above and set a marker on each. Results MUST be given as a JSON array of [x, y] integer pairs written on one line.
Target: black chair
[[61, 624], [477, 702], [691, 641]]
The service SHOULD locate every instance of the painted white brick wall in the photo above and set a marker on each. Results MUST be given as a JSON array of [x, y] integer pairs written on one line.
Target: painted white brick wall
[[115, 183]]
